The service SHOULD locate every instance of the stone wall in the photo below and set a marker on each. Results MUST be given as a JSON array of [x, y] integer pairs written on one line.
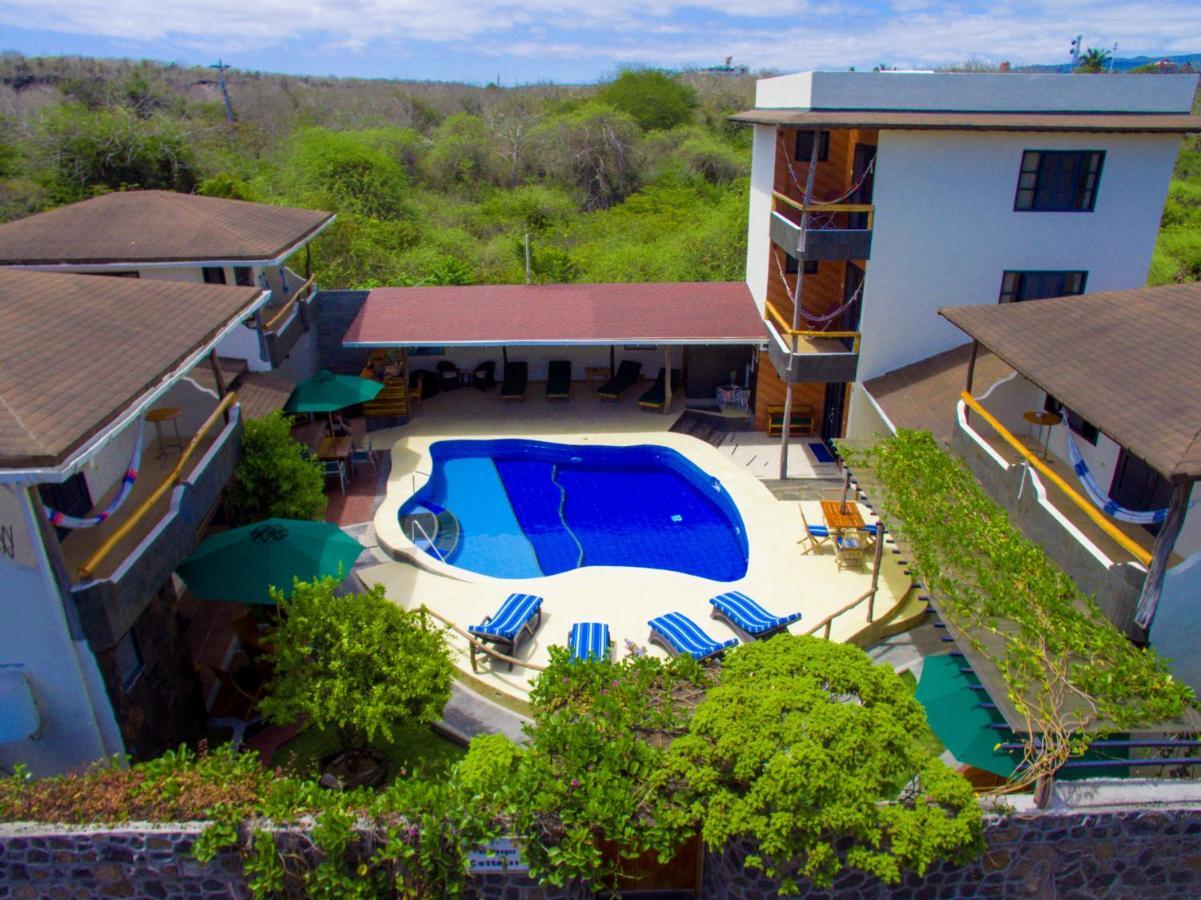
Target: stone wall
[[1142, 853], [331, 313]]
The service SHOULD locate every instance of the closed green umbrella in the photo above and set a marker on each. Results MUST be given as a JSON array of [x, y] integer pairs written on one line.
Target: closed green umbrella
[[956, 717], [244, 563], [326, 392]]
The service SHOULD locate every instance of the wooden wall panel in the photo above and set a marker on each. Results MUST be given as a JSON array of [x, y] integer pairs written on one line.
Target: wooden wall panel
[[769, 391]]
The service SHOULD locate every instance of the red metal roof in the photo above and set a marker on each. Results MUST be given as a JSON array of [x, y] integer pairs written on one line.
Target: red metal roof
[[659, 313]]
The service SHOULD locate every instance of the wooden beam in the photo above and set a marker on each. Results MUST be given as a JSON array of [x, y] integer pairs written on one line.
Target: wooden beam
[[784, 431], [877, 558], [1161, 552], [219, 379], [308, 262], [971, 374]]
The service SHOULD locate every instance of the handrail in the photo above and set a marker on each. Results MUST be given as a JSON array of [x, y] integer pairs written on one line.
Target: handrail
[[282, 314], [787, 330], [90, 564], [821, 208], [828, 620], [421, 528], [476, 644], [1086, 507]]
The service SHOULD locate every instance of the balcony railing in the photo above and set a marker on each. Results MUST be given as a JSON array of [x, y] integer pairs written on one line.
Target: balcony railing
[[811, 356], [835, 230]]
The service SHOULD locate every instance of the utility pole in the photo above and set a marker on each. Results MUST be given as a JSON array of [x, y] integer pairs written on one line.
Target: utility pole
[[1076, 45], [1113, 57], [229, 107]]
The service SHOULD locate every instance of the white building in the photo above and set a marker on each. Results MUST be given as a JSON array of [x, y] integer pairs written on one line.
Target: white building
[[947, 189]]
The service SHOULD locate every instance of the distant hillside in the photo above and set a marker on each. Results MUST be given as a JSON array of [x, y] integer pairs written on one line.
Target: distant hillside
[[1125, 64]]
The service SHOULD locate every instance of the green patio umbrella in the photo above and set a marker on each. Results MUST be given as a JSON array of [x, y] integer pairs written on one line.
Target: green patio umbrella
[[242, 564], [326, 392], [956, 717]]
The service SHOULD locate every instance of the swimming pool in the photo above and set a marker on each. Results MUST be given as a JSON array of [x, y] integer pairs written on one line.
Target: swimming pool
[[520, 509]]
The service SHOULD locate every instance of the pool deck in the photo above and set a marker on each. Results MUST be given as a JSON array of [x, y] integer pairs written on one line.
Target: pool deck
[[779, 576]]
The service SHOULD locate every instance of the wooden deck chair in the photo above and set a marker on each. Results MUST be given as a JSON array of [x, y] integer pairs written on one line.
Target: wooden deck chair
[[815, 535]]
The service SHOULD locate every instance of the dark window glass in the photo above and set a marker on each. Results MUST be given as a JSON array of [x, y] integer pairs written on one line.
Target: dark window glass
[[1058, 180], [128, 656], [1083, 427], [790, 265], [804, 146], [1018, 286], [214, 275], [243, 276]]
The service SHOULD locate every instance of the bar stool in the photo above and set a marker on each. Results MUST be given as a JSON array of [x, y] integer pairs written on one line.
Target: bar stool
[[166, 441]]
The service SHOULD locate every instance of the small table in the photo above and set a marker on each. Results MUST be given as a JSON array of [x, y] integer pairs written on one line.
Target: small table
[[160, 416], [841, 516], [334, 448], [1041, 423], [596, 373]]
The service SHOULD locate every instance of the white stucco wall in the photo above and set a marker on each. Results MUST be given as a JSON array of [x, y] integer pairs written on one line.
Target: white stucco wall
[[763, 157], [1009, 92], [945, 229], [77, 722]]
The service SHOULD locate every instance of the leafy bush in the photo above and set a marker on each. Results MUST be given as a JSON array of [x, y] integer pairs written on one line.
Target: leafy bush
[[358, 664], [592, 150], [651, 97], [345, 172], [275, 479]]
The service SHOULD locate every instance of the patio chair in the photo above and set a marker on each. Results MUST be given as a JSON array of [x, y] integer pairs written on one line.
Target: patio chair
[[448, 375], [558, 379], [424, 382], [483, 376], [676, 633], [365, 454], [747, 616], [517, 376], [333, 467], [848, 550], [656, 396], [518, 617], [590, 640], [239, 692], [627, 373], [815, 535]]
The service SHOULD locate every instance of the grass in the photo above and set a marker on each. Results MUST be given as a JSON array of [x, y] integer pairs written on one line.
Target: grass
[[413, 749]]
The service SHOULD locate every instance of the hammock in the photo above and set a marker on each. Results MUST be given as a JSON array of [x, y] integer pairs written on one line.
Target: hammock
[[1100, 498], [62, 520], [811, 318]]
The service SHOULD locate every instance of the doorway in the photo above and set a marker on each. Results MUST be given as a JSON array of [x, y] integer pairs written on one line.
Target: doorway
[[833, 407]]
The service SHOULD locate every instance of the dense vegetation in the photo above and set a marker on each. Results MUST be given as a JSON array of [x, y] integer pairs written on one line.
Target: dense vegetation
[[639, 178], [803, 748]]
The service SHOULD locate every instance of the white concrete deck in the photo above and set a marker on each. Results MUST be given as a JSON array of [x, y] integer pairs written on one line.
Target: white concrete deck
[[778, 575]]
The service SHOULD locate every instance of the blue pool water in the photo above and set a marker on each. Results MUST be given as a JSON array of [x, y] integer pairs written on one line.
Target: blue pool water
[[530, 508]]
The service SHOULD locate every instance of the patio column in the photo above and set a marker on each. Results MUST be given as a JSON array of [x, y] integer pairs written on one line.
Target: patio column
[[219, 379], [877, 558], [308, 261], [1148, 601], [667, 379], [971, 373], [785, 429]]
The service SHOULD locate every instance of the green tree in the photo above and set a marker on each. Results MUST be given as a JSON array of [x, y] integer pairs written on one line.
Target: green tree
[[591, 149], [461, 154], [275, 478], [1093, 60], [345, 172], [357, 664], [223, 184], [810, 751], [651, 97]]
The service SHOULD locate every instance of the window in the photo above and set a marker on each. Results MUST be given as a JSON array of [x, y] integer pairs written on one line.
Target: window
[[1083, 427], [243, 276], [128, 656], [790, 265], [804, 146], [1059, 180], [214, 275], [1018, 286]]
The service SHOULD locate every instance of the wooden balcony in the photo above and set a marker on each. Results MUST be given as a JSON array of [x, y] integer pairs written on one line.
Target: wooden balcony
[[810, 356], [836, 230]]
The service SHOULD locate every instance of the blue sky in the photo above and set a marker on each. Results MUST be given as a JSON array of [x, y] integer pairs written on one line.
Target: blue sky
[[582, 40]]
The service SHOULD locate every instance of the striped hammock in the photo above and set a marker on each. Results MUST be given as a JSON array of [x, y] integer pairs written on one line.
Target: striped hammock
[[1100, 498], [62, 520]]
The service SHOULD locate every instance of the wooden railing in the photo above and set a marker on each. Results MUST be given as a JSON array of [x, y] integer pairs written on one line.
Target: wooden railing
[[821, 209], [1098, 518], [281, 314], [102, 552], [479, 646], [785, 328], [829, 620]]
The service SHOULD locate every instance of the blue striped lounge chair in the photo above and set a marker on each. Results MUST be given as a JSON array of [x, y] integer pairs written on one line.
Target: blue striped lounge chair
[[748, 616], [518, 617], [677, 633], [590, 640]]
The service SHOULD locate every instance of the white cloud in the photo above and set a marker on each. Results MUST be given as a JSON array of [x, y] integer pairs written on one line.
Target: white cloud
[[778, 34]]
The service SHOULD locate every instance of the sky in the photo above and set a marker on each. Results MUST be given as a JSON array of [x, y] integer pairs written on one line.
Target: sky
[[577, 41]]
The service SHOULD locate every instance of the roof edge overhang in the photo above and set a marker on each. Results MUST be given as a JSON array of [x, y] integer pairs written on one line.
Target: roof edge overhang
[[970, 120], [562, 342], [52, 471], [98, 265]]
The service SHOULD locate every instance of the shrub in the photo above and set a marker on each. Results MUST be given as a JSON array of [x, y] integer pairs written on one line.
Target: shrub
[[275, 478], [651, 97], [357, 664]]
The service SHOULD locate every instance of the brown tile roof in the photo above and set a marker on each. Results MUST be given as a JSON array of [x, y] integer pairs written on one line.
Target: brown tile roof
[[77, 350], [922, 395], [1127, 361], [696, 312], [261, 393], [1173, 123], [156, 226]]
